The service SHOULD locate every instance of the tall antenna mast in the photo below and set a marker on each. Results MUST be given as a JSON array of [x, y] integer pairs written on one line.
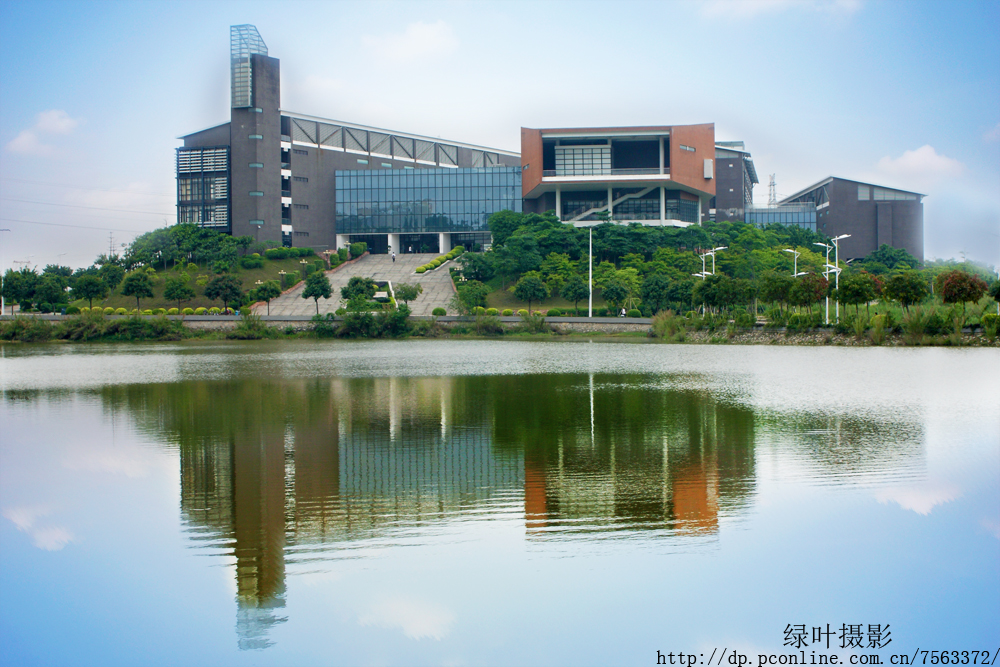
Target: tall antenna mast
[[111, 244], [772, 192]]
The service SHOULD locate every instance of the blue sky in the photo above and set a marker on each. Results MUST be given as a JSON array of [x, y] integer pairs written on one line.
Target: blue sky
[[907, 94]]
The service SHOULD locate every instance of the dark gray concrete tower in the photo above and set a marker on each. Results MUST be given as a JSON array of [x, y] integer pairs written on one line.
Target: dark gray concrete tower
[[254, 137]]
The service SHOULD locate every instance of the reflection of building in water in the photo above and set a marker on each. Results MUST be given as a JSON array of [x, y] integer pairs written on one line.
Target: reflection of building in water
[[276, 473], [643, 458]]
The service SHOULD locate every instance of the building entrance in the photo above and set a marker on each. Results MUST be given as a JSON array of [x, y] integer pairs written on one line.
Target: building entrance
[[418, 243]]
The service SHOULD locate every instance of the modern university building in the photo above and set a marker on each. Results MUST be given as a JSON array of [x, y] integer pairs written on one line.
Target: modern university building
[[302, 180]]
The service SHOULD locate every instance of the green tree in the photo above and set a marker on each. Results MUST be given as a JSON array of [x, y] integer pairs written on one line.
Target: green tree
[[139, 285], [318, 285], [90, 287], [407, 293], [471, 294], [774, 287], [503, 224], [112, 275], [177, 290], [857, 288], [615, 292], [19, 286], [655, 291], [907, 288], [995, 290], [265, 292], [477, 266], [576, 290], [531, 288], [357, 287], [51, 290], [226, 288], [807, 290]]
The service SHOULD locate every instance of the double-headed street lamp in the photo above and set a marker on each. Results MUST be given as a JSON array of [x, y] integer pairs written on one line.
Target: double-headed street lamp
[[826, 274], [705, 254], [795, 271], [836, 261]]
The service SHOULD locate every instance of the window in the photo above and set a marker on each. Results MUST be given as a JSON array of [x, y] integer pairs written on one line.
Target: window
[[259, 223], [687, 148], [407, 167], [863, 193], [256, 165], [300, 179], [256, 136], [302, 206], [387, 165], [299, 151], [256, 193], [361, 161], [258, 111], [301, 233]]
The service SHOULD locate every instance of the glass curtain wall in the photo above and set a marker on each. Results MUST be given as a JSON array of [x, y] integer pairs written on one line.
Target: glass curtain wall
[[417, 201]]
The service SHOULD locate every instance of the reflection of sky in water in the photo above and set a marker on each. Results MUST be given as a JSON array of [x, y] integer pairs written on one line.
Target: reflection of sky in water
[[377, 500]]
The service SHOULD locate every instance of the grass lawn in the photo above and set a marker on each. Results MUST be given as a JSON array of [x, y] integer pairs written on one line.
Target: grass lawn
[[249, 277]]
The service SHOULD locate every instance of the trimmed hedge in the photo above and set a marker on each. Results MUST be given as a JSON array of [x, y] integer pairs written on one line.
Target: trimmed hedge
[[188, 311], [121, 311], [522, 311], [358, 249], [109, 311], [214, 311], [201, 310], [72, 310], [342, 254], [421, 269], [173, 311], [634, 312], [492, 312], [507, 312], [554, 312], [439, 312], [478, 310]]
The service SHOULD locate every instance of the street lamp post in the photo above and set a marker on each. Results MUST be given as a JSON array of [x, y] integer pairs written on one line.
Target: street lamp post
[[836, 260], [2, 304], [826, 274], [590, 276], [795, 271]]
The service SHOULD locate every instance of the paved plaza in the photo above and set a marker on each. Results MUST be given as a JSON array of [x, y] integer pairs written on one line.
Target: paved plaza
[[437, 285]]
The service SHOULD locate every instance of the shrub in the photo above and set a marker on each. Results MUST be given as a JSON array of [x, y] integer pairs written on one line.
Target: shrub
[[860, 325], [478, 310], [634, 312], [487, 325], [666, 324], [358, 249], [173, 311], [84, 310], [109, 311], [340, 312], [492, 312], [276, 253], [935, 325], [252, 263], [214, 311], [187, 311], [159, 311], [147, 312], [744, 320], [192, 267], [320, 265], [421, 269], [201, 310], [989, 322], [342, 254], [72, 310], [534, 323], [507, 312], [251, 327], [554, 312], [877, 333], [600, 312], [439, 312], [121, 311], [522, 312]]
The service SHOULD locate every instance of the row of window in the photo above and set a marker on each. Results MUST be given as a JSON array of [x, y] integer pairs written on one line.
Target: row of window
[[868, 193], [200, 188]]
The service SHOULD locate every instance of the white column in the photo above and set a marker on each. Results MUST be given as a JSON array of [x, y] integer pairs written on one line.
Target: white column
[[661, 155], [611, 213], [444, 242], [559, 203], [663, 191], [394, 243], [699, 210], [343, 240]]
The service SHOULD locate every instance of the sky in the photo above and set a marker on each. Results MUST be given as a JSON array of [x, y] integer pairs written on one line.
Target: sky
[[93, 95]]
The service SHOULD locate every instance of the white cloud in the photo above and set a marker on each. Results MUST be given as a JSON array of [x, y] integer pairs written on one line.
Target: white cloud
[[417, 620], [924, 165], [418, 40], [742, 9], [49, 538], [993, 135], [920, 499], [52, 122]]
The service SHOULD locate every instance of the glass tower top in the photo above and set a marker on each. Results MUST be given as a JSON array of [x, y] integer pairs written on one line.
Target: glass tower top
[[244, 41]]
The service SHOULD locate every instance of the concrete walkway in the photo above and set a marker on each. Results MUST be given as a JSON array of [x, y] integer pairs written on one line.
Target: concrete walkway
[[437, 285]]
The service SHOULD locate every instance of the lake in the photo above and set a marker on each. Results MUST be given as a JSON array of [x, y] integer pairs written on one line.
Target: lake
[[495, 502]]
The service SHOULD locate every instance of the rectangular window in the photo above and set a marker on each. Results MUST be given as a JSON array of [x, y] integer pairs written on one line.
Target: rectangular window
[[256, 136], [256, 193], [256, 165], [300, 179], [259, 223], [258, 111], [299, 151], [362, 161], [387, 165], [862, 193], [687, 148], [302, 206]]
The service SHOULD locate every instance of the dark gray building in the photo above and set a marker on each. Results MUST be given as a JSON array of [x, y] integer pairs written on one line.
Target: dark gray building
[[735, 177], [272, 174], [873, 215]]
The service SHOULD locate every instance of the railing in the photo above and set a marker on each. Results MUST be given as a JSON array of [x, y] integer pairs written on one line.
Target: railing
[[286, 193], [652, 171]]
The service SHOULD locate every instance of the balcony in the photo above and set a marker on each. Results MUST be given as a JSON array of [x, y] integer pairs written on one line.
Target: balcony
[[286, 193], [601, 173]]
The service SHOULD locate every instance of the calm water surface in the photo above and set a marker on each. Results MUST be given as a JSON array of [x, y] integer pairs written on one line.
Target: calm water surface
[[469, 503]]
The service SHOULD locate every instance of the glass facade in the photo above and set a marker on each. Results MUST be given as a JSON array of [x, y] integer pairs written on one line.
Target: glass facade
[[801, 215], [583, 160], [203, 187], [391, 201]]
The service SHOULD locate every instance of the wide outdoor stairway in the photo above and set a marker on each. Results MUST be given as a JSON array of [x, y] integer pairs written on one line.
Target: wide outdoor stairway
[[437, 285]]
